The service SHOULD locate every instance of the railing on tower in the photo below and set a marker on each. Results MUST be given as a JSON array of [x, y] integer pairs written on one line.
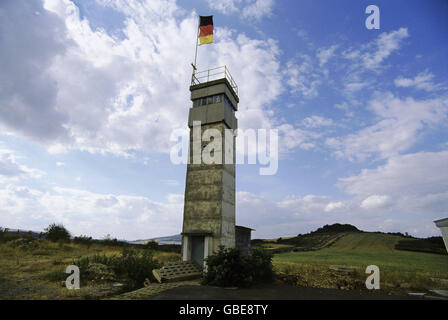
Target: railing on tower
[[213, 74]]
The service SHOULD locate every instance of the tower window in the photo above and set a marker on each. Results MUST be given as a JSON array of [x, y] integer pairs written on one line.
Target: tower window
[[219, 98], [209, 100]]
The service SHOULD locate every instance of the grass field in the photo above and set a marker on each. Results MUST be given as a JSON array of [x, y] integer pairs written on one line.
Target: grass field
[[39, 273], [359, 250]]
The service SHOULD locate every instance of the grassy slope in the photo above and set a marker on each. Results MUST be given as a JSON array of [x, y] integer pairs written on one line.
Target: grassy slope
[[24, 273], [362, 249]]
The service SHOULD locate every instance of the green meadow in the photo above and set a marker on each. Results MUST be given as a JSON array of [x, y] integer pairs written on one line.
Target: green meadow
[[358, 250], [361, 250]]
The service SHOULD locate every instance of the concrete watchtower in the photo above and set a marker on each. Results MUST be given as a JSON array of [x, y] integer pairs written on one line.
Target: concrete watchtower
[[209, 208]]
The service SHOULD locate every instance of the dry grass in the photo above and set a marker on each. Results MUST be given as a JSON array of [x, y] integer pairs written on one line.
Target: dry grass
[[39, 273], [400, 271], [321, 276]]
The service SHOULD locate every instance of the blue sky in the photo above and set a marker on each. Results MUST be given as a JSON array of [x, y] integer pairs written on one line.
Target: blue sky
[[91, 92]]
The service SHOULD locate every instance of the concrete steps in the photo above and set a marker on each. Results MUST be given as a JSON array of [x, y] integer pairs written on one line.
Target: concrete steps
[[178, 271]]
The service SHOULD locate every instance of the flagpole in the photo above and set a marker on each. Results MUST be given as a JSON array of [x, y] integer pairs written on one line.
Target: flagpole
[[196, 53]]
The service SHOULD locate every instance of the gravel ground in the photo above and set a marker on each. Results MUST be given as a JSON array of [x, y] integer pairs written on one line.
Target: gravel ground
[[275, 291]]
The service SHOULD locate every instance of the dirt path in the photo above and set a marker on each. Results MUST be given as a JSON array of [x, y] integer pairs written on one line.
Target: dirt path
[[274, 291]]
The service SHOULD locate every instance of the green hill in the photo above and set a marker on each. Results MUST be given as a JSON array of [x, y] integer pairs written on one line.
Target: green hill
[[348, 236], [360, 250], [367, 241]]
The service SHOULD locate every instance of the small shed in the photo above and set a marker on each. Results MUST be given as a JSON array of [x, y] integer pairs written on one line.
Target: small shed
[[242, 238], [443, 225]]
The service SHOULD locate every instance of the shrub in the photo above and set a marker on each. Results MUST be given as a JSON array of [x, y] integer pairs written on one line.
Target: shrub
[[133, 266], [261, 262], [25, 244], [57, 233], [99, 271], [6, 236], [84, 240], [136, 266], [152, 245], [113, 242], [228, 267]]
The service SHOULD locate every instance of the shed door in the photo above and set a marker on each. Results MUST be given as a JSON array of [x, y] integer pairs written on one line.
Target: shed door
[[197, 250]]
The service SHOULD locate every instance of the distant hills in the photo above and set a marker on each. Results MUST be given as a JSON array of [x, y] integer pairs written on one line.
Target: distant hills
[[322, 237], [351, 237], [176, 239], [23, 233]]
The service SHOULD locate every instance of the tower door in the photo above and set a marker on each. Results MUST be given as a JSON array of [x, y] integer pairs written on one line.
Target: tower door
[[197, 249]]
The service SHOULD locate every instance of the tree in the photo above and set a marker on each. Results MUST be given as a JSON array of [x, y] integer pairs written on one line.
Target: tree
[[152, 245], [57, 233], [85, 240]]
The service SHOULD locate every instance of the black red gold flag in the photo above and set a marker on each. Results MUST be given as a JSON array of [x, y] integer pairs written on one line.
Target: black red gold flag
[[205, 29]]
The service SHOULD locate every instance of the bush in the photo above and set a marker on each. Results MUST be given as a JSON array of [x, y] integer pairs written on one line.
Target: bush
[[152, 245], [98, 271], [84, 240], [133, 266], [6, 237], [261, 262], [136, 266], [113, 242], [228, 267], [25, 243], [57, 233]]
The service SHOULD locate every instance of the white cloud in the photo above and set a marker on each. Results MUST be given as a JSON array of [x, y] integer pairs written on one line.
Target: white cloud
[[411, 174], [325, 55], [385, 45], [258, 9], [12, 170], [421, 81], [296, 214], [414, 184], [255, 9], [317, 121], [401, 121], [303, 77], [28, 92], [224, 6], [132, 217], [375, 201], [332, 206], [89, 90], [372, 55], [353, 87], [94, 214], [291, 138]]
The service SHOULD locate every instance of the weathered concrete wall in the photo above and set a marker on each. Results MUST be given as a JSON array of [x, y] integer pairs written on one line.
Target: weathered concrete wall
[[212, 88], [443, 225], [210, 188], [213, 113], [242, 239]]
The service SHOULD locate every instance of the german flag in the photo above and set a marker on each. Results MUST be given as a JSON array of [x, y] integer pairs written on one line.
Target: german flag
[[205, 29]]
